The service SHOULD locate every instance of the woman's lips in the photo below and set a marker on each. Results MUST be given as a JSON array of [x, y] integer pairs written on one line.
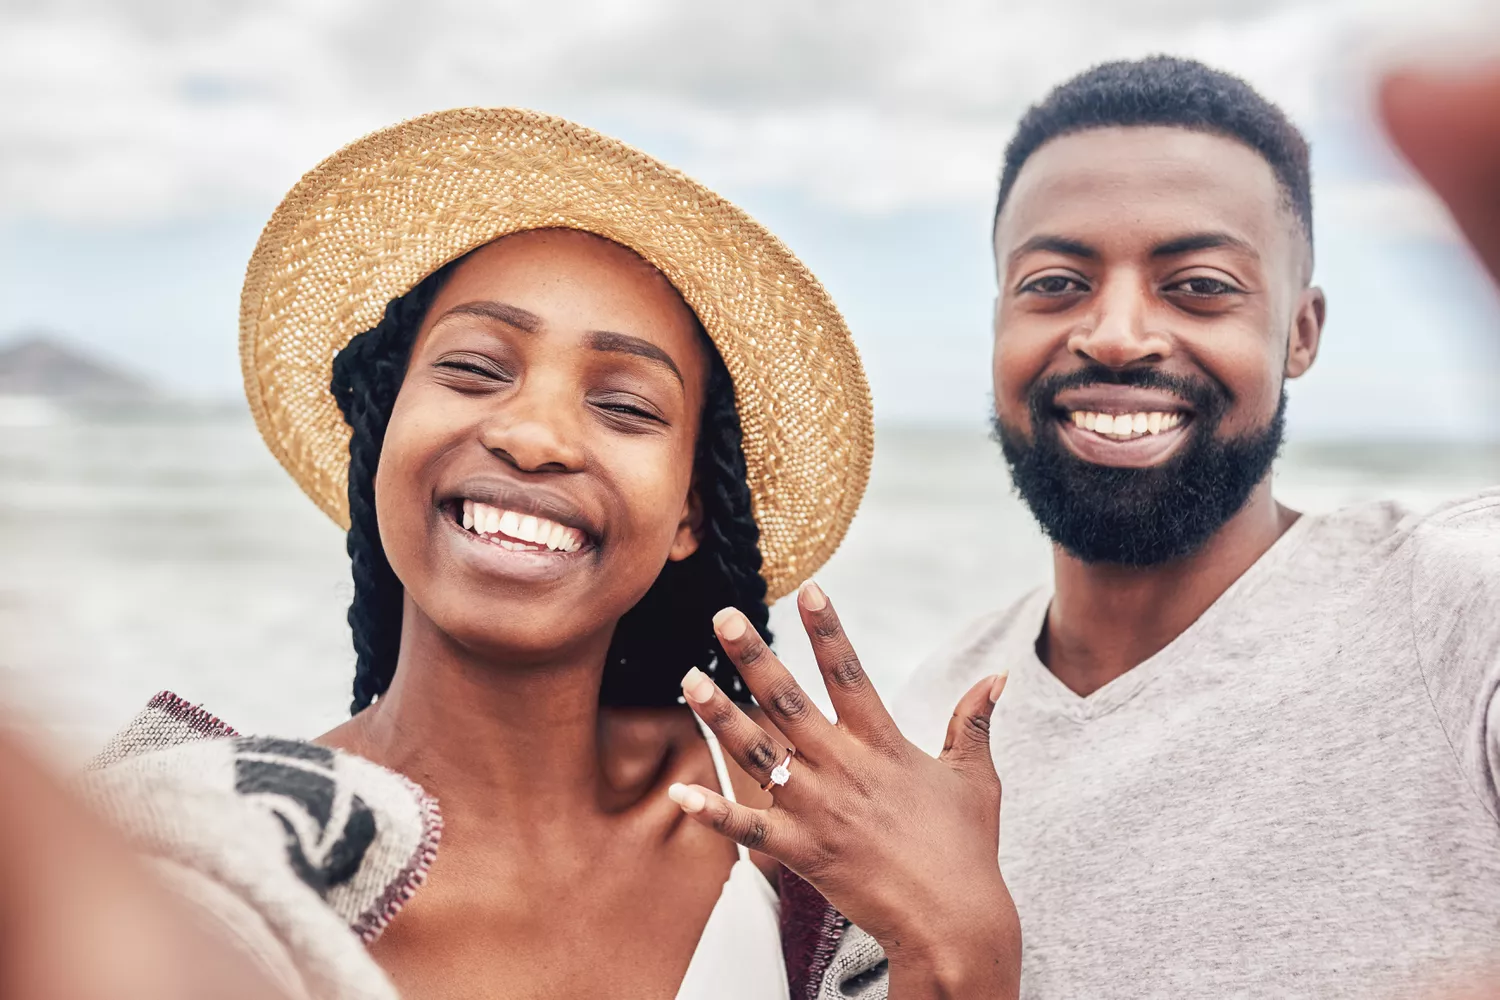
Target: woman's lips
[[535, 553], [1143, 440], [517, 531]]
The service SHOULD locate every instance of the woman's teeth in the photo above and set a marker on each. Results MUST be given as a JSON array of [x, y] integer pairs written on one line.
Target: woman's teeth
[[1123, 426], [522, 532]]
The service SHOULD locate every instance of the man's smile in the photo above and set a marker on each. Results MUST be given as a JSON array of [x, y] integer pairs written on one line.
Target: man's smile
[[1125, 426], [1120, 425]]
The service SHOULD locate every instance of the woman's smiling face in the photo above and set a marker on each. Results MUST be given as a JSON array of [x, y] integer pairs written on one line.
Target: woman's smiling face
[[537, 472]]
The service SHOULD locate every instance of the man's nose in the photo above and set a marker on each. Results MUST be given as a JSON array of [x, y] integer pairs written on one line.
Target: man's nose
[[538, 428], [1118, 332]]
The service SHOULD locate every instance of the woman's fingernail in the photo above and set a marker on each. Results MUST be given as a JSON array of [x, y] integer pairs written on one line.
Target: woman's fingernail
[[690, 799], [730, 624], [813, 598], [997, 686], [697, 686]]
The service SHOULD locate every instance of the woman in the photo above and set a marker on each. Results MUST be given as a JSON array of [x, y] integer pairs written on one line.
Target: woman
[[546, 493], [579, 405]]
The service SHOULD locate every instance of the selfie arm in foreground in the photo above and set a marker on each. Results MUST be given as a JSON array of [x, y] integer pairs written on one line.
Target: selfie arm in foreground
[[904, 845], [81, 918], [1448, 127]]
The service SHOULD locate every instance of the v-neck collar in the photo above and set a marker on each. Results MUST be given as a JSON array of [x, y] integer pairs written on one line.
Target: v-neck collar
[[1045, 690]]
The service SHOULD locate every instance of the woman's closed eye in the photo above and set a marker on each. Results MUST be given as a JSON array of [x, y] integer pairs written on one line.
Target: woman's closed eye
[[628, 411], [472, 372]]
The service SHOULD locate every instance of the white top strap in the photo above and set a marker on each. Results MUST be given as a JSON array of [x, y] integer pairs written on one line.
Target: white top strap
[[726, 787]]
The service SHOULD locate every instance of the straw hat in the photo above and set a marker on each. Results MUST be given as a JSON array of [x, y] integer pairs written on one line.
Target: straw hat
[[367, 224]]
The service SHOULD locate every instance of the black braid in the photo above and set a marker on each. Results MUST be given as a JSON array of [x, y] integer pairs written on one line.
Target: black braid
[[367, 375], [671, 629], [655, 643]]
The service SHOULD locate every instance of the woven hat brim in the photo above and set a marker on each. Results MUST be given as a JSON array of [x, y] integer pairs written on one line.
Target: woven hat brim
[[371, 221]]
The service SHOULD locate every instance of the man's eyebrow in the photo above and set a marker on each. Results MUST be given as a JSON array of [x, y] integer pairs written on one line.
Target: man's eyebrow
[[622, 343], [506, 313], [1054, 244], [1202, 241]]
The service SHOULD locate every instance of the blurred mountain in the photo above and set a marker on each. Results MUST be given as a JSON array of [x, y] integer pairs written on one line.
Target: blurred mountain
[[40, 363]]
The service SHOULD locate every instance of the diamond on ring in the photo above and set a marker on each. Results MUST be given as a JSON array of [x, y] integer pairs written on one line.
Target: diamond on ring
[[781, 773]]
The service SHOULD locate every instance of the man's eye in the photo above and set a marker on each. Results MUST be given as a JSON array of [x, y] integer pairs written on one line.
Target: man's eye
[[1205, 287], [1053, 284]]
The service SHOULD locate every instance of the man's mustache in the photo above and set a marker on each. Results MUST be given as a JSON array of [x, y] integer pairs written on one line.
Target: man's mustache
[[1207, 396]]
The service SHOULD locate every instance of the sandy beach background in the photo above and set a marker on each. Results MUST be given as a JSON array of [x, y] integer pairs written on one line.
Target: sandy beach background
[[159, 547]]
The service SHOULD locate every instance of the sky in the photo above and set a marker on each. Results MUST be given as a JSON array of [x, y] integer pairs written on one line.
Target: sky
[[144, 144]]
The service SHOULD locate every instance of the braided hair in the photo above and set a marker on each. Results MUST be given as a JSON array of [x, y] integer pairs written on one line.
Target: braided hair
[[669, 630]]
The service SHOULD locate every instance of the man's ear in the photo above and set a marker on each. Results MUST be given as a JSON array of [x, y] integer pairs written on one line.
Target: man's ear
[[689, 527], [1307, 332]]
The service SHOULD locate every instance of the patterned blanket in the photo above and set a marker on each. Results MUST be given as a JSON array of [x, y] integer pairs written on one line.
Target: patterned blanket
[[299, 853], [302, 854]]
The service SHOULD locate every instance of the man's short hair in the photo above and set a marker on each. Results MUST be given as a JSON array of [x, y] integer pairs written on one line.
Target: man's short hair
[[1178, 93]]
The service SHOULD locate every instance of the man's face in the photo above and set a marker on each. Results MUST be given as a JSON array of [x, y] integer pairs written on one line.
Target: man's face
[[1153, 298]]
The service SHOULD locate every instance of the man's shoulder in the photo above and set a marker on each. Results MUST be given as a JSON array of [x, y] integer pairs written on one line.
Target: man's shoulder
[[1463, 522], [1464, 530], [971, 651], [1452, 557], [1379, 531], [984, 646]]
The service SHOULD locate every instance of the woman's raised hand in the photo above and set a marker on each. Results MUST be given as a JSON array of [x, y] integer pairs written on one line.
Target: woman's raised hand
[[903, 844]]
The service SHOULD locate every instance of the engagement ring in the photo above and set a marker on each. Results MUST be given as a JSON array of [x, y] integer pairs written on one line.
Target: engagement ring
[[781, 773]]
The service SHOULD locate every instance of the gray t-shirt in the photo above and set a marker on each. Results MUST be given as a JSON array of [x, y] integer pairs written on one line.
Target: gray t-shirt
[[1296, 798]]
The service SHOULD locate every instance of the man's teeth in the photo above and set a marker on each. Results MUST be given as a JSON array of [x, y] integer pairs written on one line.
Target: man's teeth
[[522, 531], [1125, 425]]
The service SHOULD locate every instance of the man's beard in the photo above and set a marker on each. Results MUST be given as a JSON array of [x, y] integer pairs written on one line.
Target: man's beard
[[1138, 517]]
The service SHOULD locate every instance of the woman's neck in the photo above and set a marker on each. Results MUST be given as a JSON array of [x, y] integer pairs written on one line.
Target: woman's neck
[[504, 743]]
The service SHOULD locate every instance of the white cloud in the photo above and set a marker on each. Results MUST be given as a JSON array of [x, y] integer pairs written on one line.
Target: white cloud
[[127, 112]]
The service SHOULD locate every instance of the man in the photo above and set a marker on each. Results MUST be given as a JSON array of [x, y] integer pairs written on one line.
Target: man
[[1245, 752]]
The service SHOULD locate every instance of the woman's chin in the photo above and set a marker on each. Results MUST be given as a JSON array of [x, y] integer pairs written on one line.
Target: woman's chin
[[522, 625], [513, 635]]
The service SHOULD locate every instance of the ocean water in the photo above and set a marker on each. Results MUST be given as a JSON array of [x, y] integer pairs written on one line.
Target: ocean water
[[151, 549]]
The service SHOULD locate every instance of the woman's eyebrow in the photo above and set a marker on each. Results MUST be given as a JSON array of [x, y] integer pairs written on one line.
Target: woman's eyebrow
[[506, 313], [599, 340], [623, 343]]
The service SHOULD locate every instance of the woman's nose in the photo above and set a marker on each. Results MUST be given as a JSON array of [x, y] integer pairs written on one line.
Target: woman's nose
[[537, 429], [1119, 332]]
